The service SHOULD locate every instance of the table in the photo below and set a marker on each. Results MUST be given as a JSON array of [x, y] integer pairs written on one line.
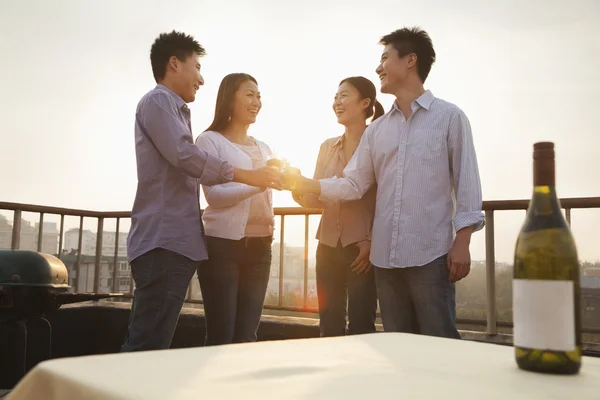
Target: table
[[374, 366]]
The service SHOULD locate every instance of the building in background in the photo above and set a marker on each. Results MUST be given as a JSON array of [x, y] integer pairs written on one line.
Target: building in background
[[590, 300], [29, 235], [88, 242], [591, 271], [5, 233], [82, 279], [293, 277], [50, 239]]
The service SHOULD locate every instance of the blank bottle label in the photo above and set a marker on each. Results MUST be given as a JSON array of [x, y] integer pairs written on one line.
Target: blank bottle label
[[544, 314]]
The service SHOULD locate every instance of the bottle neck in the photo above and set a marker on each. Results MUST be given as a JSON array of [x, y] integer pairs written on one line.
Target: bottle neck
[[544, 209], [544, 191], [544, 201], [544, 172]]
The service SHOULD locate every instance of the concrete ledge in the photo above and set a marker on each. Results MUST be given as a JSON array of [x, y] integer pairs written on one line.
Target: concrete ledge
[[191, 327], [274, 327]]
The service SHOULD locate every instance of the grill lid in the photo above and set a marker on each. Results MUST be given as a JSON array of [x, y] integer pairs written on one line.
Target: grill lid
[[33, 269]]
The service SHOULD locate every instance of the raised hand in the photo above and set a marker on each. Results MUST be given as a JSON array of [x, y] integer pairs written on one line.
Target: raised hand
[[290, 178], [298, 198], [260, 177], [276, 163], [300, 184]]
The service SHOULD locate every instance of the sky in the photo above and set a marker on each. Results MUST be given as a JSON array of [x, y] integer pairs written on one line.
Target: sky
[[74, 70]]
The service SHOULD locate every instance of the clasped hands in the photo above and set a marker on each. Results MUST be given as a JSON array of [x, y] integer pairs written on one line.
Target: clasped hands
[[280, 176], [277, 175]]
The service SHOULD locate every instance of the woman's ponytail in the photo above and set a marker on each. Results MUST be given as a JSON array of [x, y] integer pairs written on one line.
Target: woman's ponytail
[[378, 110]]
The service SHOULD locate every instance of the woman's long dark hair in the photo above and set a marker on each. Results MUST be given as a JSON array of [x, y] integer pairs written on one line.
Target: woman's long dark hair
[[366, 90], [229, 85]]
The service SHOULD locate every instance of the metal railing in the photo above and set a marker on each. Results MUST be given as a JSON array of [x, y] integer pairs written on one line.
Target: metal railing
[[489, 208]]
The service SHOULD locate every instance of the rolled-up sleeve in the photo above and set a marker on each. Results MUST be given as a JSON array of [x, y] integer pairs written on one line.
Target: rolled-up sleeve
[[173, 140], [465, 174]]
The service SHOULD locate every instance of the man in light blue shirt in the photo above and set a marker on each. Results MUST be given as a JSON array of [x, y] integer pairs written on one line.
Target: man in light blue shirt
[[422, 157], [166, 242]]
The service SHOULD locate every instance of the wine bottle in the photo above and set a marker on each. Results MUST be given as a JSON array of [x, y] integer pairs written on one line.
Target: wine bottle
[[546, 289]]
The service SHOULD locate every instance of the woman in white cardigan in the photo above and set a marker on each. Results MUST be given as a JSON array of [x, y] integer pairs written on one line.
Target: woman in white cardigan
[[238, 220]]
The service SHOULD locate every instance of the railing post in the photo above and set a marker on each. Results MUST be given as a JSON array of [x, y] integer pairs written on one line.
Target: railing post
[[78, 261], [490, 273], [116, 258], [60, 237], [305, 262], [16, 232], [281, 256], [568, 215], [98, 261], [131, 285], [40, 232]]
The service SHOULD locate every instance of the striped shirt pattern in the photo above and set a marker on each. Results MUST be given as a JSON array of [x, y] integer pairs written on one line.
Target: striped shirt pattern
[[428, 184]]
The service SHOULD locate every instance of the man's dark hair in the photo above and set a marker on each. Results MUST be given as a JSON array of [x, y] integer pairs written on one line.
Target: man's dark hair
[[413, 40], [171, 44]]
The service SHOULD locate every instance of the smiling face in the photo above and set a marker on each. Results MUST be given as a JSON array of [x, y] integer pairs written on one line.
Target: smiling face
[[186, 76], [348, 106], [246, 103], [393, 70]]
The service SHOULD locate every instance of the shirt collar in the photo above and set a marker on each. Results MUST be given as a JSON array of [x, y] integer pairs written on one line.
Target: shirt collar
[[181, 104], [426, 99], [339, 142], [423, 100]]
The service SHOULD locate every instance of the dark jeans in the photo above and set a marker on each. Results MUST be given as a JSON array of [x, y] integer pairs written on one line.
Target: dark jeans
[[337, 286], [418, 299], [234, 283], [161, 280]]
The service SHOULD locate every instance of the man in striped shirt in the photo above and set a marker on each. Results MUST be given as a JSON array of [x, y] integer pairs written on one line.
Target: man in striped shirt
[[422, 157]]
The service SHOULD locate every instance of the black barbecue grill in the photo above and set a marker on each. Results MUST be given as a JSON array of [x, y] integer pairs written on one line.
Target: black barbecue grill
[[33, 285]]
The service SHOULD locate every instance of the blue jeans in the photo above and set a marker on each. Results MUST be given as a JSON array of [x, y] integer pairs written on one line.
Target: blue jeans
[[418, 299], [337, 286], [234, 283], [161, 280]]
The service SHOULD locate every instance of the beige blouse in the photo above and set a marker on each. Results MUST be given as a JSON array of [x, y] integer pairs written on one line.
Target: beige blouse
[[348, 222]]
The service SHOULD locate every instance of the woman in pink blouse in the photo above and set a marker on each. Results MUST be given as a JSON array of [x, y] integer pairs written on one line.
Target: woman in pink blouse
[[344, 273]]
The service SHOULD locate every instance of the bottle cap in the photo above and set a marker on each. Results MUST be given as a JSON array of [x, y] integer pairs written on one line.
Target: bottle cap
[[543, 150], [543, 164]]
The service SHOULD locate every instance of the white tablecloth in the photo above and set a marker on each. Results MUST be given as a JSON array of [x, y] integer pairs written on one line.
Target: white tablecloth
[[375, 366]]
